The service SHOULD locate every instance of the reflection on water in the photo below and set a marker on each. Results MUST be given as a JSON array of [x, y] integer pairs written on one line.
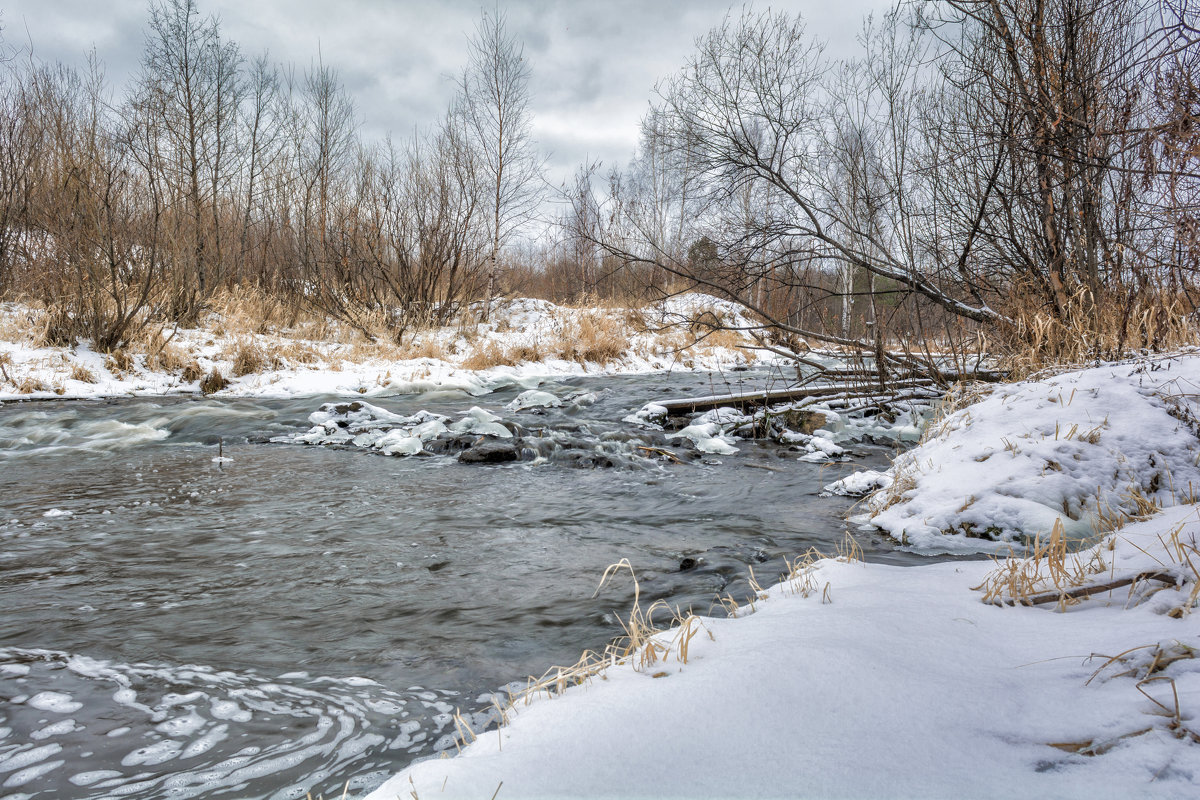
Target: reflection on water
[[297, 617]]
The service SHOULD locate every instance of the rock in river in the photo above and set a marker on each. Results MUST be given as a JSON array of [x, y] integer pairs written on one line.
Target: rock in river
[[491, 452]]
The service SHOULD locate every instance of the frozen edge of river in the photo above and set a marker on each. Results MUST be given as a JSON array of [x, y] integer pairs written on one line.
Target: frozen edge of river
[[886, 681]]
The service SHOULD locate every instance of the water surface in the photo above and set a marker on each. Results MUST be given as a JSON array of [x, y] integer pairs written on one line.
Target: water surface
[[299, 617]]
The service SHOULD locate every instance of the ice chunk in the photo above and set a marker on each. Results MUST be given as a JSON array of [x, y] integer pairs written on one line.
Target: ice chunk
[[396, 443], [534, 398], [858, 484], [491, 429]]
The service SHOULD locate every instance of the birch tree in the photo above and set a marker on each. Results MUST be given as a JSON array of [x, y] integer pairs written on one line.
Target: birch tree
[[493, 104]]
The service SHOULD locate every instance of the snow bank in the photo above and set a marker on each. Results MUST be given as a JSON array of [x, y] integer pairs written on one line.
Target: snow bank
[[878, 682], [518, 346], [1063, 448]]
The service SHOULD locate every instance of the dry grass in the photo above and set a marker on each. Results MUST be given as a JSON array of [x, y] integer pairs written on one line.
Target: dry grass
[[82, 373], [249, 357], [645, 644], [192, 371], [213, 382], [5, 363], [429, 346], [494, 353], [1052, 574], [1048, 570], [119, 362], [250, 310], [587, 337], [1107, 327], [30, 384], [592, 337], [23, 324]]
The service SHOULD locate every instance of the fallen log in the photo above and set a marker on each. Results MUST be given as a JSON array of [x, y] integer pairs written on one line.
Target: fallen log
[[758, 399]]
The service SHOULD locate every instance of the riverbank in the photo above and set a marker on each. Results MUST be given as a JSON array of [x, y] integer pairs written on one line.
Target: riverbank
[[858, 680], [234, 354]]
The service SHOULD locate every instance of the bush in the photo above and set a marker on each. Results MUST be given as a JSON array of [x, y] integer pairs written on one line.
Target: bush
[[213, 382]]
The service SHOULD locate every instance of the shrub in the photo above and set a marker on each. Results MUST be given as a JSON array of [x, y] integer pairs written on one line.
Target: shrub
[[213, 382]]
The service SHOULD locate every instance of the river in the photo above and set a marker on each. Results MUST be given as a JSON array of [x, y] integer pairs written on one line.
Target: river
[[297, 617]]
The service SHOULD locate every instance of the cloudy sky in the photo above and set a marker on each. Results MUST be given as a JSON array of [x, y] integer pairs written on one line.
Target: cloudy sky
[[594, 62]]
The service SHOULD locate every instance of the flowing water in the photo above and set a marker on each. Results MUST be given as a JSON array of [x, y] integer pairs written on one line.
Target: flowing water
[[296, 617]]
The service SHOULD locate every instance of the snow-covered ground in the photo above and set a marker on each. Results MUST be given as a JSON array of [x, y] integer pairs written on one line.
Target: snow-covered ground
[[858, 680], [524, 339], [1070, 448]]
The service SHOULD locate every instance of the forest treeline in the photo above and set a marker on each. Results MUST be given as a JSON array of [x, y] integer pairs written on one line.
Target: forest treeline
[[984, 173]]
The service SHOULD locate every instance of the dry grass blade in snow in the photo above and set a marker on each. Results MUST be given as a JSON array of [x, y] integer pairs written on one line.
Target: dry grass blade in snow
[[1050, 574], [644, 644]]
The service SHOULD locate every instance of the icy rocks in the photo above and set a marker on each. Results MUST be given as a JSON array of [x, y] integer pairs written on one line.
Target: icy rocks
[[858, 484], [651, 415], [708, 438], [534, 399], [369, 427]]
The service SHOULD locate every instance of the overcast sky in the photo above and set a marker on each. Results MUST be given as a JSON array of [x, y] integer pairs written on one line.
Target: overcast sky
[[594, 62]]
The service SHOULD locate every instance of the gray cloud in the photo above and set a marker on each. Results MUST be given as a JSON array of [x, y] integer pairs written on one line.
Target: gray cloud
[[594, 64]]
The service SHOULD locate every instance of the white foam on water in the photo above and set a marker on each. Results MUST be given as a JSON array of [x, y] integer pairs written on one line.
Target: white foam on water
[[182, 726], [156, 753], [23, 757], [24, 776], [227, 709], [55, 701], [206, 742], [93, 776], [40, 433], [55, 729], [188, 723]]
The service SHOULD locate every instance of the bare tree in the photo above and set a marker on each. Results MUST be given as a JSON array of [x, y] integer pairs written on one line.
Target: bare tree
[[493, 102], [189, 89]]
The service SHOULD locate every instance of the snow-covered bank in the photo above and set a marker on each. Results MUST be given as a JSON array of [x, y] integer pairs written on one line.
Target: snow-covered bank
[[881, 682], [525, 339], [1072, 448]]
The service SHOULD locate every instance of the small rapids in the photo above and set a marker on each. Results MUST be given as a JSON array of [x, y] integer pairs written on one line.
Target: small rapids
[[259, 598]]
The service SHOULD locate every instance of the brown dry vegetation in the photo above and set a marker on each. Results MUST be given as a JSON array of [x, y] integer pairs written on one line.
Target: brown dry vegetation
[[1093, 328], [213, 382]]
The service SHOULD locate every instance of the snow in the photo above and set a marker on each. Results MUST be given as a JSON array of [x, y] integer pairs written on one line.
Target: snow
[[858, 484], [1060, 449], [299, 366], [853, 680]]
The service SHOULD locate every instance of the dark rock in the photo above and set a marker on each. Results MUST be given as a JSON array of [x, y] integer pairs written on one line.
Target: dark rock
[[491, 452], [585, 459], [449, 443], [438, 566], [797, 419], [687, 563]]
